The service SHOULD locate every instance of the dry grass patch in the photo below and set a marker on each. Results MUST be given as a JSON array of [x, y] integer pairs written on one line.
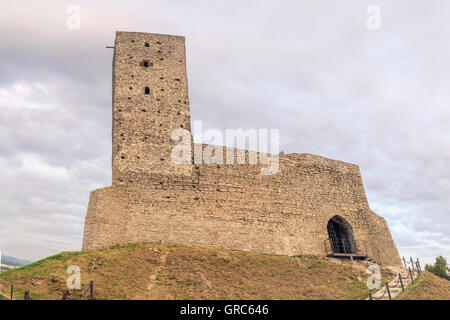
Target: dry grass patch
[[428, 287], [154, 271]]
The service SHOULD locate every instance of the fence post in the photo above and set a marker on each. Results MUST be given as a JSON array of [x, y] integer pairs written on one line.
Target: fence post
[[12, 291], [64, 297], [370, 296], [418, 263], [404, 262], [26, 295], [410, 274], [388, 291], [412, 262], [401, 281], [91, 289], [418, 268]]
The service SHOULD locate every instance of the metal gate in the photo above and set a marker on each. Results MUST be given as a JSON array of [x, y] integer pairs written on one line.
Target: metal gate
[[341, 237]]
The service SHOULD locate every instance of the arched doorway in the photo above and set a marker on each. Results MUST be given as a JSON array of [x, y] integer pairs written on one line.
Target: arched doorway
[[340, 234]]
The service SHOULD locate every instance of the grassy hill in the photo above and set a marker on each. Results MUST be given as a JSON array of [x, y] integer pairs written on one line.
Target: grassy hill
[[155, 271], [428, 287]]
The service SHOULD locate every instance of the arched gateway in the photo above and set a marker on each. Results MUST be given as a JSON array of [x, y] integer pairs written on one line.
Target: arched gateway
[[340, 236], [341, 242]]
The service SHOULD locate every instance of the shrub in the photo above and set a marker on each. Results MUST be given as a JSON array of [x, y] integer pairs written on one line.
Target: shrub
[[439, 268]]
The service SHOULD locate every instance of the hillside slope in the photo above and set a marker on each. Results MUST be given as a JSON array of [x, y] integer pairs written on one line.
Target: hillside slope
[[428, 287], [155, 271]]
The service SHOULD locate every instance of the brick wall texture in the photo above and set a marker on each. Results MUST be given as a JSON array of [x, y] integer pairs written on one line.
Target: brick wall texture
[[229, 206]]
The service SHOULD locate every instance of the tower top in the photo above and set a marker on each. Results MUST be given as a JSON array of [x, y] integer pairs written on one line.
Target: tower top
[[148, 34]]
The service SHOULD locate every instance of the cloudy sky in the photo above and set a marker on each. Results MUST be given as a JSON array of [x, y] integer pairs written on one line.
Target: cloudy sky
[[378, 98]]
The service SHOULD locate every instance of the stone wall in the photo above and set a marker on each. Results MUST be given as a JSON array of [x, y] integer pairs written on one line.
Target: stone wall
[[229, 206]]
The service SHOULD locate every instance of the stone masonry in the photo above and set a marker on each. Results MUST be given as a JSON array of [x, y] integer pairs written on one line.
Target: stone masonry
[[234, 206]]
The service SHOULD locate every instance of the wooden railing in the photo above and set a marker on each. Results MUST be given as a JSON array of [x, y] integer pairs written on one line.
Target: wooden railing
[[414, 271]]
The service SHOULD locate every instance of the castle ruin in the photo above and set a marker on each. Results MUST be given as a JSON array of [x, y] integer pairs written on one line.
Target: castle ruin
[[312, 205]]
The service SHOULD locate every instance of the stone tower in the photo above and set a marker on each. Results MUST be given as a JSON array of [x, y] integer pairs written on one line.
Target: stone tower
[[150, 100]]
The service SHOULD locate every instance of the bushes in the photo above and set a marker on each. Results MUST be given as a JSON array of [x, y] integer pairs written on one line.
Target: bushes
[[439, 268]]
